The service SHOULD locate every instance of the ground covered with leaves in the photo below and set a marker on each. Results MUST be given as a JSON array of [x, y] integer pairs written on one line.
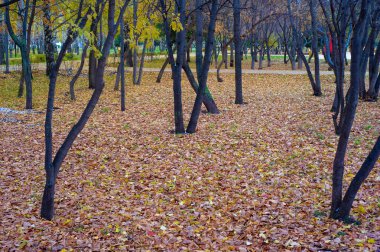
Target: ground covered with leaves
[[255, 177]]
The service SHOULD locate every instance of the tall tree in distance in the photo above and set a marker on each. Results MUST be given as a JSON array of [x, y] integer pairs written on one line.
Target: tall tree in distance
[[24, 45]]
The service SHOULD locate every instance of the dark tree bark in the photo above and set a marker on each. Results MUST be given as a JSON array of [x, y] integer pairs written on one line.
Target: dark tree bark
[[136, 42], [92, 60], [198, 37], [122, 86], [176, 64], [141, 67], [349, 197], [6, 53], [52, 166], [375, 78], [162, 70], [313, 12], [237, 43], [348, 113], [337, 25], [76, 76]]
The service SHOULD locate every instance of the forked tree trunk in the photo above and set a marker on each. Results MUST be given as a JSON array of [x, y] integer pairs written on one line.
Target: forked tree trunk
[[176, 65], [348, 117], [52, 166], [191, 128]]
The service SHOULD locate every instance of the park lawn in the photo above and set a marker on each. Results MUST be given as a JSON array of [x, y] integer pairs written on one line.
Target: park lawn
[[256, 176]]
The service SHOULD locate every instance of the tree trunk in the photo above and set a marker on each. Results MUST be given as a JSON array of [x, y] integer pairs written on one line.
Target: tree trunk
[[136, 43], [198, 38], [232, 55], [122, 88], [237, 42], [92, 65], [374, 74], [314, 45], [348, 113], [176, 65], [191, 128], [162, 70], [76, 76], [52, 167], [208, 100], [268, 54], [141, 67], [349, 197]]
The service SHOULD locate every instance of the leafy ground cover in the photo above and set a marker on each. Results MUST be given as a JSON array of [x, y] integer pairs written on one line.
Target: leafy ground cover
[[256, 177]]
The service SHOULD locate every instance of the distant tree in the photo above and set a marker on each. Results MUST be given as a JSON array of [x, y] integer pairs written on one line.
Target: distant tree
[[23, 42]]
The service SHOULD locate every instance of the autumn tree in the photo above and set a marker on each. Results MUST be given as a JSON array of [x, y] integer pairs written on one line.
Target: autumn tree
[[53, 163], [26, 10], [341, 204]]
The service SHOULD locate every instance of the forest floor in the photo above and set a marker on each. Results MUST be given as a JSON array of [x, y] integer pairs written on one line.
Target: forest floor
[[256, 177]]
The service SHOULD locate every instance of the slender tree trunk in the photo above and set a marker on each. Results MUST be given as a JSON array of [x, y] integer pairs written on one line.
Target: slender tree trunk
[[374, 73], [122, 88], [261, 55], [21, 85], [215, 55], [268, 54], [141, 67], [198, 37], [232, 55], [349, 197], [176, 65], [76, 76], [238, 46], [208, 100], [136, 42], [348, 113], [191, 128], [162, 70], [314, 45], [52, 166], [6, 53]]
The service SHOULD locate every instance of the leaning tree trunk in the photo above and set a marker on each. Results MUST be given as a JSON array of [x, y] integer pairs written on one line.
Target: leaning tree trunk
[[52, 166], [348, 116], [205, 69], [76, 76], [141, 67], [314, 46]]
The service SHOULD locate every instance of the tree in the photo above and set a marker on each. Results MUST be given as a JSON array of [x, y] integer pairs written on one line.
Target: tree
[[341, 206], [178, 26], [337, 18], [205, 66], [52, 166], [23, 42], [297, 37]]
